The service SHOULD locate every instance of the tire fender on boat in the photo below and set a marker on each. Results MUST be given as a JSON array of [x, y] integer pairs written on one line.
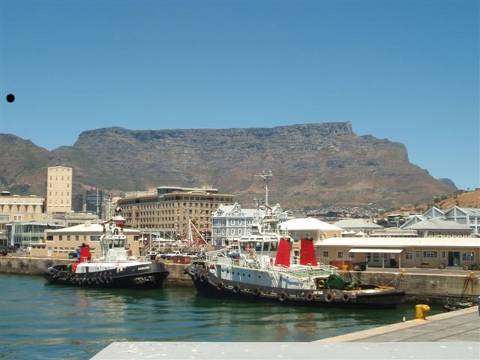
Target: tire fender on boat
[[309, 296], [203, 278], [257, 292], [236, 289], [345, 297], [220, 286], [283, 296], [329, 297]]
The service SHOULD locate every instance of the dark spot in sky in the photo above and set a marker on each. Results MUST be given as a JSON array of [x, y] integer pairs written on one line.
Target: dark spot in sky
[[10, 98]]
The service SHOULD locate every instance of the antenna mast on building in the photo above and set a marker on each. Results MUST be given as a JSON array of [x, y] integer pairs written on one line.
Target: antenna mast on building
[[266, 175]]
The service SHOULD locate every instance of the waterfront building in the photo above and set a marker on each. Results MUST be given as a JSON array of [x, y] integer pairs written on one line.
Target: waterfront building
[[73, 218], [460, 215], [170, 209], [467, 216], [439, 227], [427, 252], [362, 226], [313, 228], [59, 189], [60, 243], [394, 232], [24, 234], [94, 202], [111, 203], [309, 227], [21, 207], [230, 222]]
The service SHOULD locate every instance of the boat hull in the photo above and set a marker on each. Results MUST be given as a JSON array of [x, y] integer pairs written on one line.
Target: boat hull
[[368, 297], [152, 275]]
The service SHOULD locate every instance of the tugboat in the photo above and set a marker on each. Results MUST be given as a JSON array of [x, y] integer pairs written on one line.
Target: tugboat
[[249, 272], [115, 268]]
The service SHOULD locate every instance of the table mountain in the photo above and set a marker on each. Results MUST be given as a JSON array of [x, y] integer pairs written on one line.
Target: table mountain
[[313, 164]]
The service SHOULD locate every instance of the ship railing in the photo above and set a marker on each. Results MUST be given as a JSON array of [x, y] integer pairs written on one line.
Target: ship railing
[[304, 272]]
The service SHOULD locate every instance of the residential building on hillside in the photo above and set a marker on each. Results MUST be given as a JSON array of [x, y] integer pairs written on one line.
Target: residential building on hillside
[[21, 207], [59, 189], [170, 209]]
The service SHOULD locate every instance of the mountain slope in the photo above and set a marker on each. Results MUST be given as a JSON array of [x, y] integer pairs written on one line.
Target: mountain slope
[[312, 163]]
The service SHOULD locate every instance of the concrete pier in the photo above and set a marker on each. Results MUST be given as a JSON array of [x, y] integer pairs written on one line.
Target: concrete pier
[[444, 336], [461, 325]]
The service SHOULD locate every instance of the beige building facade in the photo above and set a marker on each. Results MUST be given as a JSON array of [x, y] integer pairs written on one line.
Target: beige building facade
[[59, 189], [428, 252], [170, 209], [61, 242], [21, 208]]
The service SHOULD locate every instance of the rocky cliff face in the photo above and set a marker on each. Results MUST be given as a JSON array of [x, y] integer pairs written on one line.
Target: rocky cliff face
[[313, 164]]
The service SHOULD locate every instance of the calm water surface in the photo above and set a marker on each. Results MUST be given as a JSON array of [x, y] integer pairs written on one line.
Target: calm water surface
[[50, 321]]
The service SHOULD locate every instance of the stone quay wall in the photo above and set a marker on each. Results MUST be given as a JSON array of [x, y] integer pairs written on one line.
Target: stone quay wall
[[423, 286], [38, 266], [417, 286]]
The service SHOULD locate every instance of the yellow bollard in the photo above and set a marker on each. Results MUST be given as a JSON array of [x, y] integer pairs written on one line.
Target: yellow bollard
[[421, 311]]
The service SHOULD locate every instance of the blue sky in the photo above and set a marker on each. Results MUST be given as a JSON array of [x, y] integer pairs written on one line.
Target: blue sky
[[402, 70]]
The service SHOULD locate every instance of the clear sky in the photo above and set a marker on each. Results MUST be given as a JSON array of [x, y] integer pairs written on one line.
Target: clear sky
[[404, 70]]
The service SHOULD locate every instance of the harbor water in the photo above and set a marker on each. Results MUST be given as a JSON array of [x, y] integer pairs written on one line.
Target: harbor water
[[40, 321]]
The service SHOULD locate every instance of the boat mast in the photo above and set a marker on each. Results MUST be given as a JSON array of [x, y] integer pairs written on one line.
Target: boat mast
[[266, 175]]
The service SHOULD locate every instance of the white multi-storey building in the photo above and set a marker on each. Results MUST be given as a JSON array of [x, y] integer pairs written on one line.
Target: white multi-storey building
[[230, 222]]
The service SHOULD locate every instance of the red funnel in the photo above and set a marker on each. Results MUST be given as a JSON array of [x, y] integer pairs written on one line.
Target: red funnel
[[307, 252], [283, 253]]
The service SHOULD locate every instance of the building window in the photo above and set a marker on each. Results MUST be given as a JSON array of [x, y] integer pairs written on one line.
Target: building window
[[409, 256], [60, 237], [468, 256], [340, 254], [325, 254], [429, 254]]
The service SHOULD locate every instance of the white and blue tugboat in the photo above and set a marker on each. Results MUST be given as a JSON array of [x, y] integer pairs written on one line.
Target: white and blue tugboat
[[114, 269]]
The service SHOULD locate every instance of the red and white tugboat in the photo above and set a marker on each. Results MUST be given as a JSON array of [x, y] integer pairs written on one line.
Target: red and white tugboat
[[251, 272], [115, 268]]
